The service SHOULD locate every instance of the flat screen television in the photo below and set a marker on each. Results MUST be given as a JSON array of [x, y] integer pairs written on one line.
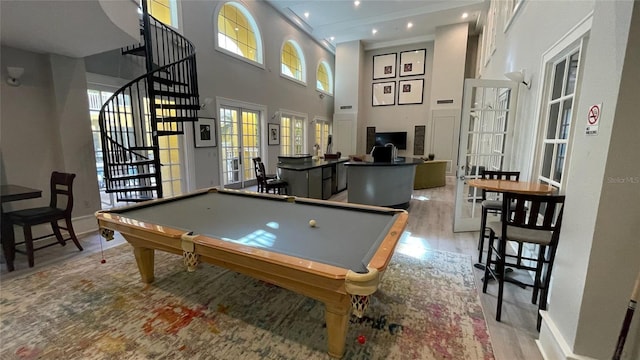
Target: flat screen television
[[399, 139]]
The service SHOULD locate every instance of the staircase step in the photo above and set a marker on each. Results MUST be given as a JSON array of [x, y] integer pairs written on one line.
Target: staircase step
[[176, 94], [169, 132], [137, 51], [141, 148], [134, 199], [178, 106], [168, 82], [176, 119], [131, 189], [131, 177], [134, 163]]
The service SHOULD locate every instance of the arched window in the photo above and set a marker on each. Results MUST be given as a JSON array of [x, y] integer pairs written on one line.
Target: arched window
[[324, 78], [292, 61], [164, 10], [238, 32]]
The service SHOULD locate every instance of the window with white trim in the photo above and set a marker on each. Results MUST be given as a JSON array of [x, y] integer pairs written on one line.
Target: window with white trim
[[238, 33], [322, 131], [165, 11], [324, 78], [554, 148], [292, 63], [292, 134]]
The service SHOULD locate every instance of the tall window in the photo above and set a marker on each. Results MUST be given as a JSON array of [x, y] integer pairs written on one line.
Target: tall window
[[238, 32], [164, 10], [170, 150], [292, 134], [324, 78], [292, 61], [322, 131], [96, 99], [559, 111]]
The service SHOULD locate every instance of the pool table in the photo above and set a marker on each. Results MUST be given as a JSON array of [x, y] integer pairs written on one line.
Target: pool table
[[338, 261]]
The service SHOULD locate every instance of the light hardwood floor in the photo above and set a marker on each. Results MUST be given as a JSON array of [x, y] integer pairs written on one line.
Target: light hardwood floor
[[430, 227]]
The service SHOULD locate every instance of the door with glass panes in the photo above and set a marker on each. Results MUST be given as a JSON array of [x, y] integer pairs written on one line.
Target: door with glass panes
[[239, 143]]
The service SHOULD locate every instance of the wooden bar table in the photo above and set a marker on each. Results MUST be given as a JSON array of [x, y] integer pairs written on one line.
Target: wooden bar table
[[10, 193], [519, 187]]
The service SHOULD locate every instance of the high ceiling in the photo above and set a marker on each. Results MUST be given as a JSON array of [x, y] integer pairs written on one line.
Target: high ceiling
[[345, 21]]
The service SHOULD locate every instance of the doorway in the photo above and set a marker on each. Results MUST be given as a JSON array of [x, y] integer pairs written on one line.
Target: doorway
[[239, 143]]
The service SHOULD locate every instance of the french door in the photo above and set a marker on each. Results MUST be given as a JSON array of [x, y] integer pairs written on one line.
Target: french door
[[488, 109], [239, 143]]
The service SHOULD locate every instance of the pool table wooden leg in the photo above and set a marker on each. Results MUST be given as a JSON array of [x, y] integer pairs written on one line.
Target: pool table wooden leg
[[337, 319], [144, 258]]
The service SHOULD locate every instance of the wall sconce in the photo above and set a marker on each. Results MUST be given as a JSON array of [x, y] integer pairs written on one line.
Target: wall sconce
[[15, 73], [519, 77]]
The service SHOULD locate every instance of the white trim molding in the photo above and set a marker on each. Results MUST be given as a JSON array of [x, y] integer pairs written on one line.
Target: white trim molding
[[552, 344]]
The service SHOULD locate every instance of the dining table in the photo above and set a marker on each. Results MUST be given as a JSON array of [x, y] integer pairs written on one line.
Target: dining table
[[9, 193]]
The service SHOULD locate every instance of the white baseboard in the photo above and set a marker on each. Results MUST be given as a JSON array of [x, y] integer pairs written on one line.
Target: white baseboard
[[552, 344], [81, 225]]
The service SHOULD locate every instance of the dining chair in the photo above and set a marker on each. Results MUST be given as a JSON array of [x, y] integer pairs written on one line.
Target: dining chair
[[525, 219], [256, 168], [265, 184], [491, 203], [60, 208]]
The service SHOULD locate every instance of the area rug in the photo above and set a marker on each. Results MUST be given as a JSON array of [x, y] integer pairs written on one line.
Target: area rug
[[425, 309]]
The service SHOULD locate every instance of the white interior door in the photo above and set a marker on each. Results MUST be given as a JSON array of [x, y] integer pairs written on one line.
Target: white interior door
[[488, 109]]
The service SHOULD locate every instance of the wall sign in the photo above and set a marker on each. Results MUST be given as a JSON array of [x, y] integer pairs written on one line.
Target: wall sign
[[593, 119]]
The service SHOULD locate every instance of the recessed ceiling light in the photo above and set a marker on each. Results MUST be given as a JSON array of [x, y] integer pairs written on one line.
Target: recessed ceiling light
[[356, 3], [374, 31], [409, 25], [332, 38], [465, 15], [306, 14]]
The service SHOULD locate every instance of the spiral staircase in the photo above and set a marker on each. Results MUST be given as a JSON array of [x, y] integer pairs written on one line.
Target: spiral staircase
[[154, 105]]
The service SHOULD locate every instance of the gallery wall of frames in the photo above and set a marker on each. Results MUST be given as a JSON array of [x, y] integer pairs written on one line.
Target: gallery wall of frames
[[398, 78]]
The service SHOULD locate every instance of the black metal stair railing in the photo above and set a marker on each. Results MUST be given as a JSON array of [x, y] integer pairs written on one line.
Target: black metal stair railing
[[152, 105]]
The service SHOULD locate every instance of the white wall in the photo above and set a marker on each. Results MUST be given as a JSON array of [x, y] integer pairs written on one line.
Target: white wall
[[45, 127], [599, 249]]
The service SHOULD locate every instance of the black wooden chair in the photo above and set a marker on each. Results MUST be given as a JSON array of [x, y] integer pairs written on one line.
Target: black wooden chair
[[526, 219], [61, 189], [491, 203], [256, 168], [265, 184]]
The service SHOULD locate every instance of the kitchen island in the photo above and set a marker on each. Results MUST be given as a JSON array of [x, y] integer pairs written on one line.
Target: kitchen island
[[382, 183], [312, 178]]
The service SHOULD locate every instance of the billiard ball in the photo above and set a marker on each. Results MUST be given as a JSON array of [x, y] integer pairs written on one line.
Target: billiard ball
[[362, 339], [312, 223]]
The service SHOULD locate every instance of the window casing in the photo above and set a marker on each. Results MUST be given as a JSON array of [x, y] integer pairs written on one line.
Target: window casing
[[324, 78], [292, 63], [165, 11], [554, 147], [238, 33]]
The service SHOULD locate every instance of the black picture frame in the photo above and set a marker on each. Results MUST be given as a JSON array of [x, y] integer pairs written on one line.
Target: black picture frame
[[384, 66], [412, 62], [383, 93], [204, 132], [410, 91], [273, 134]]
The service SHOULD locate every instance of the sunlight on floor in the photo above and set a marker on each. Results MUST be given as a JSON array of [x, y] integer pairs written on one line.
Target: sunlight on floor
[[413, 246], [420, 198]]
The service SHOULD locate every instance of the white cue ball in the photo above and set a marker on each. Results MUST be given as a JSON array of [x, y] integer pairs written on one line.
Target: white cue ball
[[312, 223]]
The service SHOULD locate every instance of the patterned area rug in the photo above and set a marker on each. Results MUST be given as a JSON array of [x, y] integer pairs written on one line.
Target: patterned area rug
[[82, 309]]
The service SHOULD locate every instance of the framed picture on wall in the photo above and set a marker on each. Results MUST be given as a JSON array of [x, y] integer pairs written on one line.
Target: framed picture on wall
[[274, 134], [410, 91], [204, 132], [384, 66], [412, 62], [383, 94]]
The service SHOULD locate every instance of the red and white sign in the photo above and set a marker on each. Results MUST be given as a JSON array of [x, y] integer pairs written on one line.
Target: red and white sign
[[593, 117]]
